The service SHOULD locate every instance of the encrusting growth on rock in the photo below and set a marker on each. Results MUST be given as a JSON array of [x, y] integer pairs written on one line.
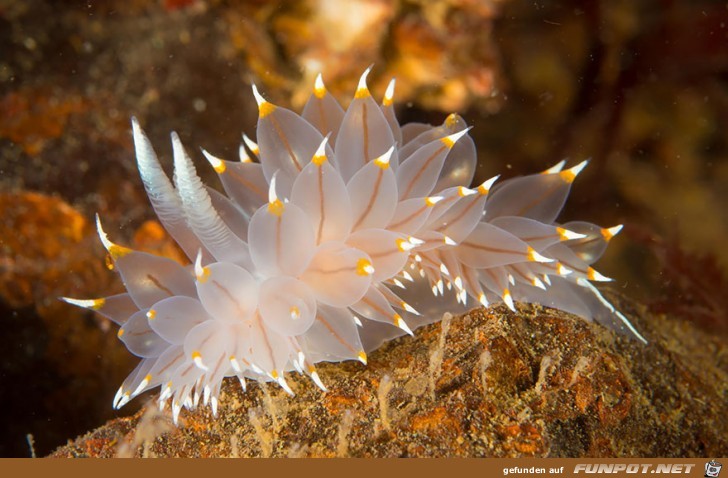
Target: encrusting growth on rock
[[496, 395]]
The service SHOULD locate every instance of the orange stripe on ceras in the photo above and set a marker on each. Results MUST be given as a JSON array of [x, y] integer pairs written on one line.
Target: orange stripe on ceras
[[278, 241], [428, 261], [322, 114], [467, 279], [247, 184], [369, 207], [171, 362], [336, 335], [461, 215], [269, 349], [570, 266], [330, 271], [492, 249], [186, 371], [493, 276], [521, 274], [322, 212], [229, 296], [538, 238], [530, 205], [374, 306], [285, 142], [408, 218], [159, 285], [217, 366], [422, 170], [382, 253], [136, 334], [365, 131]]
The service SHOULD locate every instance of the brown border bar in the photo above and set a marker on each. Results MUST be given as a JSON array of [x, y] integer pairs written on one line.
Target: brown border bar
[[352, 468]]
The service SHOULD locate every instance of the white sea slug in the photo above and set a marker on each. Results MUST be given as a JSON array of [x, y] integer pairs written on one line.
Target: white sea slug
[[331, 243]]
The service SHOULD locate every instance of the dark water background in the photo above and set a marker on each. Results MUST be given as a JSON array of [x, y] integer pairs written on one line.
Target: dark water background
[[638, 86]]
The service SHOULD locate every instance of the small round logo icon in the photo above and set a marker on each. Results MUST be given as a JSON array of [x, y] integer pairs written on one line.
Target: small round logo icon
[[712, 469]]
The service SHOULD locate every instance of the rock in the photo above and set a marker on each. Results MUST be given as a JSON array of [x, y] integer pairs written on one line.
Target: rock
[[534, 383]]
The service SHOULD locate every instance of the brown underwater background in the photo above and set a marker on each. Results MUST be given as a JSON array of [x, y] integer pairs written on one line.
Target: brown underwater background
[[641, 88]]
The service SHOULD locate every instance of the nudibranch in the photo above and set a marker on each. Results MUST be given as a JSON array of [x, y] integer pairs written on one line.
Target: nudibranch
[[345, 231]]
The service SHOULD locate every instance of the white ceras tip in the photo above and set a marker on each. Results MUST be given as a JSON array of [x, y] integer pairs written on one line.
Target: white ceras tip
[[463, 296], [383, 160], [389, 93], [142, 385], [579, 167], [321, 151], [213, 406], [537, 283], [297, 366], [610, 232], [567, 235], [318, 85], [409, 308], [509, 300], [594, 275], [243, 155], [485, 187], [362, 86], [102, 234], [166, 393], [117, 397], [136, 129], [317, 380], [197, 360], [284, 385], [404, 245], [556, 168], [432, 200], [258, 97], [200, 272], [463, 191], [85, 303], [217, 164], [562, 270], [536, 257], [451, 139], [125, 397], [252, 145], [272, 196], [449, 241], [444, 269], [235, 365], [176, 408], [399, 322], [458, 283], [415, 242]]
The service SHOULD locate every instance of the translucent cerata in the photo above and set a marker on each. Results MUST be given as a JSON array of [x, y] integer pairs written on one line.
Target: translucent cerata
[[338, 230]]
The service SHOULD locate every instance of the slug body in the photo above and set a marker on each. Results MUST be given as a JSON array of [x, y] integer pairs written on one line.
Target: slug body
[[350, 230]]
